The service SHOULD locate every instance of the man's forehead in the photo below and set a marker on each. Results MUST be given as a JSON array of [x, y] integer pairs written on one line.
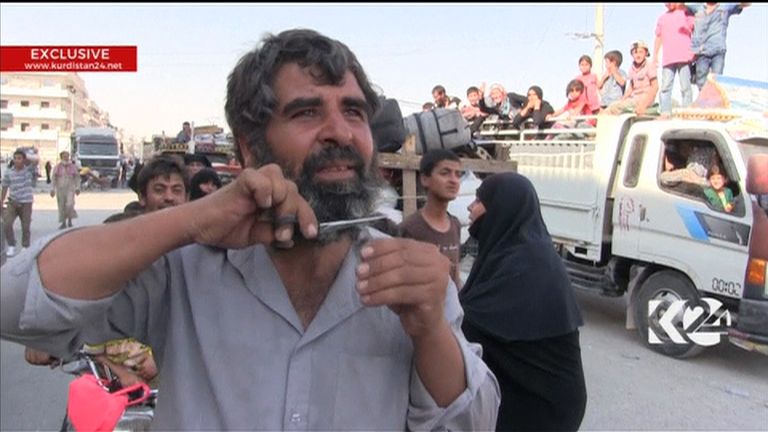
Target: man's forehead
[[292, 80], [167, 179], [447, 163]]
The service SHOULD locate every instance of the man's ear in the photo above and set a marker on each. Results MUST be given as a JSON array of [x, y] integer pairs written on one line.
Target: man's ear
[[424, 179], [245, 152], [142, 200]]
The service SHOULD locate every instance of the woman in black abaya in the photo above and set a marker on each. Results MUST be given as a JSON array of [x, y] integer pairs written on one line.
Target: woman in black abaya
[[520, 306]]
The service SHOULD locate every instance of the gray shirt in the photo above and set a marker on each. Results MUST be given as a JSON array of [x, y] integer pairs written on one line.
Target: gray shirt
[[233, 354], [20, 184], [612, 91]]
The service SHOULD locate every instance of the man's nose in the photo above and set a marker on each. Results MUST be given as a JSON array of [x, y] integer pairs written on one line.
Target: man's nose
[[169, 196], [335, 129]]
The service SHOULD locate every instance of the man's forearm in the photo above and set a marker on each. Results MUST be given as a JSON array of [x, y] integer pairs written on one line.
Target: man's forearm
[[106, 256], [440, 365]]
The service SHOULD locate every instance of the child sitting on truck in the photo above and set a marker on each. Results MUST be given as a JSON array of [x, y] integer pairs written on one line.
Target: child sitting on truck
[[719, 196], [577, 106]]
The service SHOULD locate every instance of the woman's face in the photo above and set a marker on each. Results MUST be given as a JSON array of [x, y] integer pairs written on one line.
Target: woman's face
[[476, 209], [208, 188], [497, 95]]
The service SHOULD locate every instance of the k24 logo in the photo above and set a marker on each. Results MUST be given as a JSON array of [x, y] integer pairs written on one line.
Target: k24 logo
[[691, 321]]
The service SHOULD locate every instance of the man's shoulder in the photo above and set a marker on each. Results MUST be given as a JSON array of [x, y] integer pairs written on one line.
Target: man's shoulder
[[412, 220]]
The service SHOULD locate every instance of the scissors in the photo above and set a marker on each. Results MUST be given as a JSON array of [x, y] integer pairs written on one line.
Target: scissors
[[326, 227]]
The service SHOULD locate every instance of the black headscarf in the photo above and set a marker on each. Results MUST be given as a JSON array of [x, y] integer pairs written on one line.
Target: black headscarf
[[205, 175], [518, 288]]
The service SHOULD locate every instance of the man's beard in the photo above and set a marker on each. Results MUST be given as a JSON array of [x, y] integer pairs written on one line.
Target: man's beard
[[349, 199]]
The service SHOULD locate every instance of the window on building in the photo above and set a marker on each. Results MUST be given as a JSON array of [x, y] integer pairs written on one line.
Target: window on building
[[45, 104], [48, 83], [24, 127], [25, 103], [3, 80], [3, 103], [45, 126]]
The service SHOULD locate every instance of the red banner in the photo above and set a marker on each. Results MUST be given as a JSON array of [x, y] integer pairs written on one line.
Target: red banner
[[79, 58]]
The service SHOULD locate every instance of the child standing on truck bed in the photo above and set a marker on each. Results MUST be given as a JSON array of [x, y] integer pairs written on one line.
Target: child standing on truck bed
[[590, 83], [673, 30]]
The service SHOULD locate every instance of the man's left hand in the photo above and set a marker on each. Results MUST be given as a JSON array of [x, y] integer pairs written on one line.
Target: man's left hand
[[408, 276]]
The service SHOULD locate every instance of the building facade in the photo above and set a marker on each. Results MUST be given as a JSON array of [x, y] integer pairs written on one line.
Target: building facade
[[41, 110]]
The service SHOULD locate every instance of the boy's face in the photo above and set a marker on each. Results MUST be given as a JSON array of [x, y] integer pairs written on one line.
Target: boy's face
[[639, 55], [609, 64], [443, 183], [717, 181], [18, 160], [585, 67], [473, 98]]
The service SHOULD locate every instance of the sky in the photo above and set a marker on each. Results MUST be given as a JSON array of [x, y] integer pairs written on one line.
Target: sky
[[186, 51]]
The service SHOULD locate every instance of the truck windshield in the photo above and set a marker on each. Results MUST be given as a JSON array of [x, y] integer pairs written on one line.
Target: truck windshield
[[98, 149]]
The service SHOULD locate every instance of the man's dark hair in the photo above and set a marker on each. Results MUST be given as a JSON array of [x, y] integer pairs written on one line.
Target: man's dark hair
[[20, 152], [433, 157], [473, 89], [250, 94], [615, 56], [160, 166], [439, 88], [185, 124]]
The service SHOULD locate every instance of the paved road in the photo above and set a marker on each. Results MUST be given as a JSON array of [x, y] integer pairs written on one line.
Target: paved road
[[629, 386]]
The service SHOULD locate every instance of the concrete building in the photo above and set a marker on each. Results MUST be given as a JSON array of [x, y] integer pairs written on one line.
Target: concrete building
[[42, 109]]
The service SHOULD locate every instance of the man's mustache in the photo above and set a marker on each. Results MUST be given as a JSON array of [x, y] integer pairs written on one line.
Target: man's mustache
[[316, 162]]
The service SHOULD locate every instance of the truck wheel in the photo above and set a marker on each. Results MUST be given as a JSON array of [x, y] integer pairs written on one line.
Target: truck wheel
[[666, 286]]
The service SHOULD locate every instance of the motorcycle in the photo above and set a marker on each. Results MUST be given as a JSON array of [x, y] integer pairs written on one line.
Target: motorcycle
[[97, 400]]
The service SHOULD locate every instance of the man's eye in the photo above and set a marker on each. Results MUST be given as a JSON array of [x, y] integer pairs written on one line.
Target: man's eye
[[356, 112], [307, 112]]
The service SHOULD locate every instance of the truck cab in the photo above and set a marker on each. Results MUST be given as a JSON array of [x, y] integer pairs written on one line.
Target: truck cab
[[97, 149], [681, 244]]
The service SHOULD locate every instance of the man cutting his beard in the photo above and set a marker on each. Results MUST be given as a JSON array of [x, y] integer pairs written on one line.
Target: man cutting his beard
[[316, 334]]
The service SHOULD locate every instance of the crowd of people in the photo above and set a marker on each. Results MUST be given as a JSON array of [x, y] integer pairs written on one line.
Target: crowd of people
[[692, 38]]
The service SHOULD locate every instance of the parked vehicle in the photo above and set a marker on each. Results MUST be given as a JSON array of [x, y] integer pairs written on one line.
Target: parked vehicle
[[97, 149]]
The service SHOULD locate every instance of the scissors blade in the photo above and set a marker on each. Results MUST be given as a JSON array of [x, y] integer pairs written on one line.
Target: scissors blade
[[327, 227]]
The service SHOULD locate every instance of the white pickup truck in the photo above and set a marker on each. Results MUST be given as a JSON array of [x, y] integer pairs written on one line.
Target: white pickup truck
[[621, 230]]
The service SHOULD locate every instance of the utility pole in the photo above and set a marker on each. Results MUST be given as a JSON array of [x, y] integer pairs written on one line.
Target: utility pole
[[597, 59], [72, 93], [598, 36]]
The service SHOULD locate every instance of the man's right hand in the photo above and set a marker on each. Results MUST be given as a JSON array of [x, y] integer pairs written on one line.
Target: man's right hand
[[249, 210]]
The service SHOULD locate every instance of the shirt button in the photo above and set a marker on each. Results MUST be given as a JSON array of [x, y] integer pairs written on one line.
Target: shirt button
[[295, 418]]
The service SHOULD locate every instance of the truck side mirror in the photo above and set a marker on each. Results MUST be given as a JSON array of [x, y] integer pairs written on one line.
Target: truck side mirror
[[757, 174]]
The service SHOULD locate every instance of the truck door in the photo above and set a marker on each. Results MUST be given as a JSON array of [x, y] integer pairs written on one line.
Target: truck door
[[679, 225], [627, 196]]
